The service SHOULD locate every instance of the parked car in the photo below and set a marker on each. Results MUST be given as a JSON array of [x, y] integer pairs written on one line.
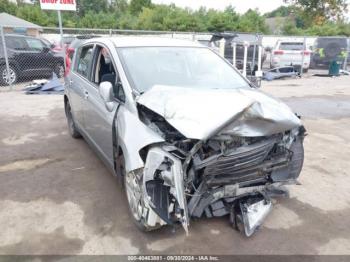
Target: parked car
[[66, 41], [252, 59], [28, 57], [71, 49], [188, 135], [328, 49], [290, 53]]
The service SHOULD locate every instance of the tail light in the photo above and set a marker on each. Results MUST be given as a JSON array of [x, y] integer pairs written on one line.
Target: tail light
[[306, 52], [278, 52]]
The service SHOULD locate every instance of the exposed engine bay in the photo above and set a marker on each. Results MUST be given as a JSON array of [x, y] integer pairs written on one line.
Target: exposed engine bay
[[224, 174]]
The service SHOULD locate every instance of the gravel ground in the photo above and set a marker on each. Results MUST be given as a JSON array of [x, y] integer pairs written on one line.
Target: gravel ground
[[56, 197]]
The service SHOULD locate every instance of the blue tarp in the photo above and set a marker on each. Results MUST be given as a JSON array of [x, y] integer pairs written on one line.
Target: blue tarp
[[53, 86]]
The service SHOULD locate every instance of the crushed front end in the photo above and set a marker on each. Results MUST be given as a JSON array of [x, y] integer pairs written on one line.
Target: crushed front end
[[224, 175]]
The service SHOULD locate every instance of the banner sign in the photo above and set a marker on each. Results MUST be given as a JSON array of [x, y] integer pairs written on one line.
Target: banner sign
[[64, 5]]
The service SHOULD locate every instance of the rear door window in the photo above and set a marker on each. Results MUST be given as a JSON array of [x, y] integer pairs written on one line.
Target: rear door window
[[16, 43], [84, 62]]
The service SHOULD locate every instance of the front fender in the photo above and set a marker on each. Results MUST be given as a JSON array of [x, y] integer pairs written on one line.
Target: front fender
[[132, 136]]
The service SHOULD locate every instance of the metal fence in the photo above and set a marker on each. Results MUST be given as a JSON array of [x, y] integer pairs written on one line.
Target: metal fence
[[40, 54]]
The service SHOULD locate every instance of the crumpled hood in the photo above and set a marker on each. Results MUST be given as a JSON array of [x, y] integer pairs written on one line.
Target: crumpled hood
[[199, 113]]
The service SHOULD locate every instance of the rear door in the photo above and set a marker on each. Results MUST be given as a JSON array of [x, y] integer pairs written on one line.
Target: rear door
[[77, 80], [292, 53]]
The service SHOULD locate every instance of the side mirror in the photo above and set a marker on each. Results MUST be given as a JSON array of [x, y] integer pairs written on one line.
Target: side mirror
[[106, 93]]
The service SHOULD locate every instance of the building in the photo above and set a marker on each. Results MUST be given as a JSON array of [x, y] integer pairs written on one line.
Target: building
[[13, 24]]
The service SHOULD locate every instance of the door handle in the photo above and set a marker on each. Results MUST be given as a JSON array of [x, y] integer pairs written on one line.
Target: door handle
[[86, 94]]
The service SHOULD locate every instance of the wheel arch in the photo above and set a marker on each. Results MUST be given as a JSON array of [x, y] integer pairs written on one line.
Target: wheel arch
[[13, 64]]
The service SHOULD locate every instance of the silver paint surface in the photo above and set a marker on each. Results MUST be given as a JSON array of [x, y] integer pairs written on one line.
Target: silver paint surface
[[199, 113]]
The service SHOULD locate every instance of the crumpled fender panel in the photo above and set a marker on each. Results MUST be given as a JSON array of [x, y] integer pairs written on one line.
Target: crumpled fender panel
[[133, 135], [199, 113], [172, 177]]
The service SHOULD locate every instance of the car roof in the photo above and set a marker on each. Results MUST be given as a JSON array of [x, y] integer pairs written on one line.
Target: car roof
[[18, 35], [138, 41]]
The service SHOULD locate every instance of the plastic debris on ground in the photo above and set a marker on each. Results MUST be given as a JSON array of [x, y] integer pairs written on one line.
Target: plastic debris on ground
[[281, 72], [45, 87]]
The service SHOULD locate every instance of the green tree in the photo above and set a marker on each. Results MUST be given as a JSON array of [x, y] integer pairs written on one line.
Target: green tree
[[222, 21], [319, 12], [289, 28], [33, 14], [7, 7], [281, 11], [136, 6], [178, 19], [96, 6], [252, 21], [152, 18], [119, 6]]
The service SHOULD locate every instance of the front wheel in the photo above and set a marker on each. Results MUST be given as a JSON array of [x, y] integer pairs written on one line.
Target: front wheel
[[8, 79], [134, 194]]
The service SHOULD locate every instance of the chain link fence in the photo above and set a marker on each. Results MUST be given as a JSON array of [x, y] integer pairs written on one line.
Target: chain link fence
[[40, 54]]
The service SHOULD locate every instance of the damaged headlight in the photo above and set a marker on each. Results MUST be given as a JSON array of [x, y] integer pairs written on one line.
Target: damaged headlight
[[164, 184]]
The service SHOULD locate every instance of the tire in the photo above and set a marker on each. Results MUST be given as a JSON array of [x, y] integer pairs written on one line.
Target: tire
[[73, 131], [59, 70], [297, 160], [3, 75], [134, 211]]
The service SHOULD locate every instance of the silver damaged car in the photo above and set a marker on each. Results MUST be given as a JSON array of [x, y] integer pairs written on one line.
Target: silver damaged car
[[189, 136]]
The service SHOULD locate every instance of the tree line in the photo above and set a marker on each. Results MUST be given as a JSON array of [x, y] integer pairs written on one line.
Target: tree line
[[300, 17]]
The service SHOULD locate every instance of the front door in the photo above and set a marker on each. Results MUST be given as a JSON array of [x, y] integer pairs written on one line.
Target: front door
[[98, 121], [41, 62]]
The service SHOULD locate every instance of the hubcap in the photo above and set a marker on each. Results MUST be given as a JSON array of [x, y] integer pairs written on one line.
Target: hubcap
[[9, 79], [134, 194]]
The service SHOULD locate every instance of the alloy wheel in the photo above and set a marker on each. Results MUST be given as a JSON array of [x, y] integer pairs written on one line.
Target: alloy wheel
[[11, 78], [134, 195]]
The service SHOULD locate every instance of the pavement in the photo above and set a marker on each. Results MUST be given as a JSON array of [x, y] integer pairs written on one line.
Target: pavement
[[56, 196]]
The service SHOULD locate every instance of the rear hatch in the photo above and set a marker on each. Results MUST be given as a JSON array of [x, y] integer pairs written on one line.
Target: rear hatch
[[291, 52]]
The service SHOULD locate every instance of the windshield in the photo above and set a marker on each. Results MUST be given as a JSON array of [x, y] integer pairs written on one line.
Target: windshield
[[178, 66]]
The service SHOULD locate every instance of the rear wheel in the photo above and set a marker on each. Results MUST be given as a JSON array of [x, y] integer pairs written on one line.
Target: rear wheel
[[70, 121], [8, 79]]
